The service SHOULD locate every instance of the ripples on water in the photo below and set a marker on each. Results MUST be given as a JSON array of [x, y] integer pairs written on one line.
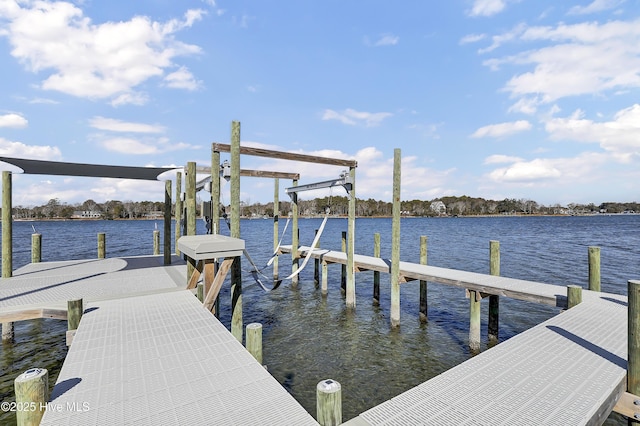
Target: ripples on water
[[309, 338]]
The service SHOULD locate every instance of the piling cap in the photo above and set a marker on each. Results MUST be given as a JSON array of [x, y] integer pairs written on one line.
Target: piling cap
[[328, 386], [31, 374]]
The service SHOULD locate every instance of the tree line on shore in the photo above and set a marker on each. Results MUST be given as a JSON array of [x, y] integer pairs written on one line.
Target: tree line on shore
[[442, 206]]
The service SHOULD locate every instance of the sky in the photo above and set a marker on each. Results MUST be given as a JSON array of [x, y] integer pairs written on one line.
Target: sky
[[524, 99]]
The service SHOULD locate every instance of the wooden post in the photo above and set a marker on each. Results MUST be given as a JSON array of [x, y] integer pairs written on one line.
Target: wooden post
[[236, 273], [325, 278], [74, 313], [7, 226], [594, 268], [215, 192], [376, 274], [156, 242], [178, 214], [8, 332], [329, 403], [190, 205], [316, 266], [102, 246], [633, 340], [494, 300], [343, 268], [32, 395], [395, 241], [36, 248], [276, 218], [474, 320], [254, 340], [295, 240], [574, 295], [200, 292], [423, 284], [351, 242], [166, 251]]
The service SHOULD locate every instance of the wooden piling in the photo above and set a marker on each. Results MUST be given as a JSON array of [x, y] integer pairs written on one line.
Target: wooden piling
[[376, 274], [7, 226], [215, 191], [178, 211], [474, 320], [102, 245], [395, 242], [329, 403], [343, 268], [295, 237], [190, 206], [236, 273], [316, 269], [156, 242], [594, 268], [8, 332], [254, 340], [494, 300], [166, 251], [423, 284], [633, 340], [351, 242], [36, 248], [200, 292], [325, 278], [574, 295], [276, 219], [74, 313], [32, 395]]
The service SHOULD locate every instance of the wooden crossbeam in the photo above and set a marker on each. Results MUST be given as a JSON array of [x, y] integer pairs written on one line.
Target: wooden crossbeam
[[258, 152], [213, 292], [628, 405], [34, 313]]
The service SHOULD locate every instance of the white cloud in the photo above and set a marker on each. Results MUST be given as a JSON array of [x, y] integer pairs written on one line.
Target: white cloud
[[387, 40], [20, 150], [487, 7], [141, 146], [130, 98], [579, 59], [501, 159], [472, 38], [114, 125], [352, 117], [12, 120], [595, 6], [620, 136], [182, 79], [89, 60], [502, 129]]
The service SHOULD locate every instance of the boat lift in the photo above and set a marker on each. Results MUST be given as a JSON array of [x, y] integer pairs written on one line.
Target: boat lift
[[344, 180]]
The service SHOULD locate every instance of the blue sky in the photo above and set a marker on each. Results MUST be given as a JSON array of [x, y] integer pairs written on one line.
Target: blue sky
[[533, 99]]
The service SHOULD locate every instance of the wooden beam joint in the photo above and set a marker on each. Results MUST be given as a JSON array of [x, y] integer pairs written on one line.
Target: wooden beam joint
[[628, 405]]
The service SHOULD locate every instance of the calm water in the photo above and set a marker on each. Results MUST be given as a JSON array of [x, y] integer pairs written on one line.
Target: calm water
[[308, 338]]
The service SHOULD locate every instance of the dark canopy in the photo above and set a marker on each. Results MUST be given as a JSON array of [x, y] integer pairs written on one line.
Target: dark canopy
[[38, 167]]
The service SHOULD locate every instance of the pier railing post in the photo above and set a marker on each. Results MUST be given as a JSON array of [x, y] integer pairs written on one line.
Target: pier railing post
[[633, 340], [594, 268], [395, 241], [423, 284], [156, 242], [376, 274], [316, 268], [102, 247], [254, 340], [494, 300], [36, 248], [329, 403], [343, 274], [32, 394], [474, 320], [75, 310], [574, 295]]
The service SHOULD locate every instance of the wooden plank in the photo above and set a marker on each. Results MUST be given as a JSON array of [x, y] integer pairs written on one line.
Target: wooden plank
[[256, 173], [627, 405], [217, 283], [259, 152], [195, 276], [33, 313]]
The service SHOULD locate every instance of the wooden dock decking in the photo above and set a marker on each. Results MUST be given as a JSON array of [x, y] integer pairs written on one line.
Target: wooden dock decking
[[146, 350]]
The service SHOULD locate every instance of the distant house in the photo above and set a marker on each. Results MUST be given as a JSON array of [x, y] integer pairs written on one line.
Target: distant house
[[86, 214], [438, 207]]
